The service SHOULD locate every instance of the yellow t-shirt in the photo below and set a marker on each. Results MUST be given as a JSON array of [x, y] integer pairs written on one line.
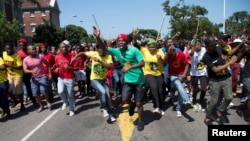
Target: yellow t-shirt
[[15, 60], [3, 76], [227, 58], [97, 70], [153, 65]]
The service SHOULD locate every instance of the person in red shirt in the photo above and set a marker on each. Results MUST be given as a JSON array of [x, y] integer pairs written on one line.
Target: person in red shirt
[[178, 66], [22, 53], [65, 77], [51, 60], [80, 74]]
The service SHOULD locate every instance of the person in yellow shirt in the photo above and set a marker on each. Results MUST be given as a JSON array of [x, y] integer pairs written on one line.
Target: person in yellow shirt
[[4, 102], [101, 62], [153, 72], [14, 67]]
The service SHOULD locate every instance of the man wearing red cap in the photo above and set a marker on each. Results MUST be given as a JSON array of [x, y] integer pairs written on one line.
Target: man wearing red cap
[[132, 61], [22, 53]]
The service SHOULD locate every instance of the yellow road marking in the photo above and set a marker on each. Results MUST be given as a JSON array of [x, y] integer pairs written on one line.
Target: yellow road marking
[[126, 123]]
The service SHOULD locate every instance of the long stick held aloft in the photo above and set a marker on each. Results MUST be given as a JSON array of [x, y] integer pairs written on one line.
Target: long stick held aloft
[[96, 24], [160, 28]]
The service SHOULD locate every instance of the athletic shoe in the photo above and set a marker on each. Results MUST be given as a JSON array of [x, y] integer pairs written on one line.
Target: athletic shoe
[[39, 110], [71, 113], [64, 106], [140, 125], [157, 110], [112, 118], [105, 113], [178, 114], [162, 112], [49, 106]]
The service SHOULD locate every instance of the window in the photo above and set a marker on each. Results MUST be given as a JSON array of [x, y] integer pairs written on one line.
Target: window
[[43, 13], [32, 14], [33, 27]]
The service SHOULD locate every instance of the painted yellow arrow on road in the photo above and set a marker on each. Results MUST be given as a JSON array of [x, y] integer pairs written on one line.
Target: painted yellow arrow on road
[[126, 123]]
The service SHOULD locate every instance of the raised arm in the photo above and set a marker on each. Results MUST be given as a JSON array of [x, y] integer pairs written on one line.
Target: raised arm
[[77, 56], [97, 34], [176, 35], [134, 40]]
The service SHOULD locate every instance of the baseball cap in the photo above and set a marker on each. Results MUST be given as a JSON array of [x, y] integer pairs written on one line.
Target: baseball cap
[[22, 40], [66, 42], [224, 37], [209, 42], [123, 36], [42, 45]]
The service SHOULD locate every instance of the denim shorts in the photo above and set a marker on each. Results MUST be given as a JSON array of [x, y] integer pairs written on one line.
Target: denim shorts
[[39, 85], [80, 75], [129, 89], [246, 87]]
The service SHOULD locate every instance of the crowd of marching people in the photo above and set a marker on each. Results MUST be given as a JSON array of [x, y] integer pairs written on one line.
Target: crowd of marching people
[[132, 71]]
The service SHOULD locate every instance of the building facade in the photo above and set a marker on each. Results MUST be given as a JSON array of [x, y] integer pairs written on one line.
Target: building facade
[[34, 15], [12, 9]]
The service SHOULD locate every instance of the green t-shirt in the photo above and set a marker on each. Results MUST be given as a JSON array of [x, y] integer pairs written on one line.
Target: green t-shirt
[[130, 56]]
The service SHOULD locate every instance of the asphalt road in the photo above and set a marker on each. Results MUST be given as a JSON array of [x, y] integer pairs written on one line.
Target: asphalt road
[[89, 125]]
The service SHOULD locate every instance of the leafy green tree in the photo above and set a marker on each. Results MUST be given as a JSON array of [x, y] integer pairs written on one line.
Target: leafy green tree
[[192, 19], [47, 33], [187, 19], [88, 39], [238, 21], [10, 30], [73, 33], [145, 34]]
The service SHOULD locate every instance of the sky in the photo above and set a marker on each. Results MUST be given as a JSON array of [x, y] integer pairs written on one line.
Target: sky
[[122, 16]]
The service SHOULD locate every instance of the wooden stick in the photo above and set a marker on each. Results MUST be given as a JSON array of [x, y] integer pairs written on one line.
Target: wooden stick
[[197, 27], [96, 24], [160, 27]]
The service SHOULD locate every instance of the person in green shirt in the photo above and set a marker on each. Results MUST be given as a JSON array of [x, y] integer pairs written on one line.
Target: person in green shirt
[[132, 61]]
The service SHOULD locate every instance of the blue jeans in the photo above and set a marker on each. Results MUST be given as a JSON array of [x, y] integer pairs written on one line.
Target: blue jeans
[[246, 87], [25, 93], [117, 78], [65, 91], [102, 87], [4, 102], [182, 94]]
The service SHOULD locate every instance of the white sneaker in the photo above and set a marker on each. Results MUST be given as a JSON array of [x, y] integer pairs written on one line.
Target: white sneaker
[[49, 106], [230, 105], [112, 118], [195, 108], [71, 113], [162, 112], [199, 107], [64, 106], [105, 113], [157, 110], [178, 114]]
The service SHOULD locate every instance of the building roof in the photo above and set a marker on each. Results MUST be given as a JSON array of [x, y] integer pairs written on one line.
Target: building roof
[[43, 3]]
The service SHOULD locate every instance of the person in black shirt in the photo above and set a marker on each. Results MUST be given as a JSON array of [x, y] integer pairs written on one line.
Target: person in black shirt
[[244, 53], [219, 79]]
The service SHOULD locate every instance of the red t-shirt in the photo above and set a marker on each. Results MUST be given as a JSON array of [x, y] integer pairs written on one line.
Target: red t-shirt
[[51, 60], [60, 61], [177, 65], [79, 63], [22, 54]]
